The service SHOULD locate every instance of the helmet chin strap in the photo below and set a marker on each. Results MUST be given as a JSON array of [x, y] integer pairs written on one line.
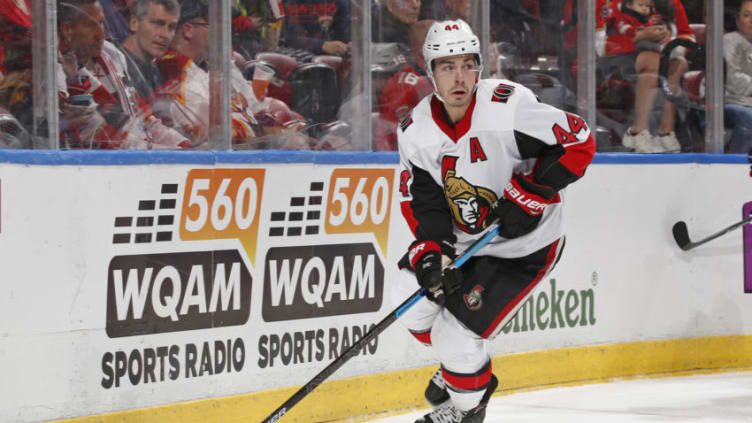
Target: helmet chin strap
[[436, 89]]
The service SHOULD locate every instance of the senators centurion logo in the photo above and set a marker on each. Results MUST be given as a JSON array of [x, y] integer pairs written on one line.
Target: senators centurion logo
[[468, 203]]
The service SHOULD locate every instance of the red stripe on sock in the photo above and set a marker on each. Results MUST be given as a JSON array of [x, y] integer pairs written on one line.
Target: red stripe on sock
[[468, 383]]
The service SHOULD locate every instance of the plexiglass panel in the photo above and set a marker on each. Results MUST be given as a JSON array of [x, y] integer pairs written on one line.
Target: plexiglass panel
[[650, 76], [295, 57], [340, 75], [17, 119], [737, 55]]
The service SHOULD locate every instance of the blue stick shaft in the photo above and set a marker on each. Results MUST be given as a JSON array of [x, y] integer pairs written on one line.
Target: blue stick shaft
[[477, 245]]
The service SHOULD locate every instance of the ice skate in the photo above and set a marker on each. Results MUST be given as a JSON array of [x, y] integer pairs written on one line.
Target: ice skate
[[436, 393], [451, 414]]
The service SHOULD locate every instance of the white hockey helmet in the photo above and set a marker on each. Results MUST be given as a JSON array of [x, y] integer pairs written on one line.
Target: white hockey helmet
[[450, 38]]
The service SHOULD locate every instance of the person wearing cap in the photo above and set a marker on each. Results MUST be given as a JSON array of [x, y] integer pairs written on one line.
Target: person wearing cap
[[475, 153]]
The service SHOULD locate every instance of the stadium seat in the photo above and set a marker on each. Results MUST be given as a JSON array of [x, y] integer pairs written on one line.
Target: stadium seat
[[315, 92], [284, 116], [12, 133], [334, 136], [282, 62], [694, 80], [340, 65], [699, 30], [693, 83]]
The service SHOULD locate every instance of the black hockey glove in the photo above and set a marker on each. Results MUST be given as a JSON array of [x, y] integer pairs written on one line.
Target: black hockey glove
[[426, 259], [522, 207]]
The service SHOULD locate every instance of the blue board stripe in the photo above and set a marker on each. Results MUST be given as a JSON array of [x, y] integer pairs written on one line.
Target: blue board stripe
[[209, 158]]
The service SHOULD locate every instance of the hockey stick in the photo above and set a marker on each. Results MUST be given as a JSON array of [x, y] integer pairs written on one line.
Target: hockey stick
[[681, 234], [490, 234]]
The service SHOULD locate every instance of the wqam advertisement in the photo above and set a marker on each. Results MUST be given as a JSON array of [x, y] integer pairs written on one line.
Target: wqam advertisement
[[256, 273]]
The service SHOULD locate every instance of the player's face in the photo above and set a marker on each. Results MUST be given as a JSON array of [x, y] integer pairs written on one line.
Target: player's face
[[744, 20], [455, 78], [155, 31]]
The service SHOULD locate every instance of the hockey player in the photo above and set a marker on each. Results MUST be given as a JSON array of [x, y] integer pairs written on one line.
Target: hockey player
[[472, 152]]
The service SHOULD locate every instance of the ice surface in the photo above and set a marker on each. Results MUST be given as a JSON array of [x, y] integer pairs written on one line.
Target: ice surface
[[711, 398]]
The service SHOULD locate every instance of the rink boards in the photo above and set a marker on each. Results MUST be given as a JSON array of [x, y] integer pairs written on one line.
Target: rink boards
[[208, 287]]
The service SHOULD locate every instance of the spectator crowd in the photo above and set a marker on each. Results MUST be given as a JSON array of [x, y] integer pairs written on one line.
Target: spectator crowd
[[134, 74]]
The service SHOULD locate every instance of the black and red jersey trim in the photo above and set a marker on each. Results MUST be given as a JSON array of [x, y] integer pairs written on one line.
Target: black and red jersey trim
[[557, 165]]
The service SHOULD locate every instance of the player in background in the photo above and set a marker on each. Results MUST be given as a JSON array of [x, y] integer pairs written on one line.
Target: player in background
[[472, 152], [405, 88]]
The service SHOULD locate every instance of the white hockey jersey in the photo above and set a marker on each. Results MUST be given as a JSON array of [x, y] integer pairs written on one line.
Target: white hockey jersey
[[452, 174]]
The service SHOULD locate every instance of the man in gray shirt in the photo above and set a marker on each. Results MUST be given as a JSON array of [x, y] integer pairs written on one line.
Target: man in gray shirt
[[152, 25], [737, 51]]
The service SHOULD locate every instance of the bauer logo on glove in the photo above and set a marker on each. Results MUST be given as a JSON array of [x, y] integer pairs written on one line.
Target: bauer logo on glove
[[522, 207], [524, 200]]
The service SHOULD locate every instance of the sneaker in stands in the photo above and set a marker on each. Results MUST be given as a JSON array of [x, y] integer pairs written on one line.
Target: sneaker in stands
[[628, 139], [451, 414], [436, 393], [641, 142], [668, 142], [646, 143]]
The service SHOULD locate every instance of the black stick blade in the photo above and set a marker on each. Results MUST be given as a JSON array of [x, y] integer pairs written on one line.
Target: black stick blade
[[681, 234]]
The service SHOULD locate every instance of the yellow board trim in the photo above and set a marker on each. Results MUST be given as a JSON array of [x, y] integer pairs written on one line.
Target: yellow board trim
[[374, 395]]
